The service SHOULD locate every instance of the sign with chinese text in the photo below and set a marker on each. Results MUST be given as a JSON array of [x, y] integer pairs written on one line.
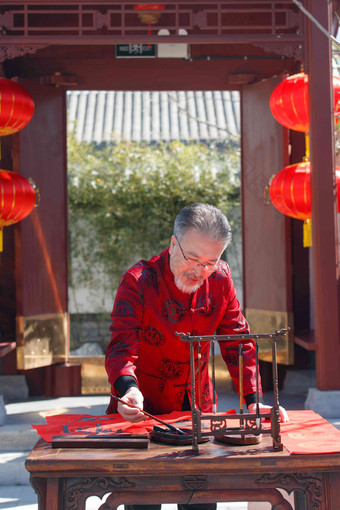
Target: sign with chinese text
[[135, 50]]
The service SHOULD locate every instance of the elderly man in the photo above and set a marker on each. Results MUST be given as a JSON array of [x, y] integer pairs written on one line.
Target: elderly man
[[187, 288]]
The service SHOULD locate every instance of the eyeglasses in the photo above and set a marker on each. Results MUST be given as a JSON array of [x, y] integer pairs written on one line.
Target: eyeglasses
[[207, 267]]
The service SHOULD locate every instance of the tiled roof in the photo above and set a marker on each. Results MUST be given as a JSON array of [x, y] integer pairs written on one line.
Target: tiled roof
[[112, 116]]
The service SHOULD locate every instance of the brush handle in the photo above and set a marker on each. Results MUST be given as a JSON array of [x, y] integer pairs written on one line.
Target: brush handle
[[168, 425]]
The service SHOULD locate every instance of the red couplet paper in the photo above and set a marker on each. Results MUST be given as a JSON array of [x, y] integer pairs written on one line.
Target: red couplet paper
[[308, 433], [66, 424], [305, 433]]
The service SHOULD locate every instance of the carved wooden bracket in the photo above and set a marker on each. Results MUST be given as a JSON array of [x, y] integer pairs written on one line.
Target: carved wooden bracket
[[18, 50]]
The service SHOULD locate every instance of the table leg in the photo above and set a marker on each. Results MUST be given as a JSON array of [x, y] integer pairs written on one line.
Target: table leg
[[52, 494], [39, 486], [332, 492], [299, 501]]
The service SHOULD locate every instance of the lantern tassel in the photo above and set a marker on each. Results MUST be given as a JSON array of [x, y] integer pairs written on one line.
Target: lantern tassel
[[307, 151], [1, 240], [307, 234]]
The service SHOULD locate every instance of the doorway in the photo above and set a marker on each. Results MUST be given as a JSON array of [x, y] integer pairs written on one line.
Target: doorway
[[134, 159]]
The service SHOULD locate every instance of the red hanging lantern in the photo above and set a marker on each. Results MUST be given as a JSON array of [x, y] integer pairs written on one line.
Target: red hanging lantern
[[17, 199], [290, 190], [289, 102], [290, 193], [16, 107]]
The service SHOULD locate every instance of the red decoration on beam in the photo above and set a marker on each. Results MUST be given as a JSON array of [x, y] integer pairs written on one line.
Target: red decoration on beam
[[16, 107], [289, 102], [149, 14]]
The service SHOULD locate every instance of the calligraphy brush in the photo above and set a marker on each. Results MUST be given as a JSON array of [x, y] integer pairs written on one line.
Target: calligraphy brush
[[168, 425]]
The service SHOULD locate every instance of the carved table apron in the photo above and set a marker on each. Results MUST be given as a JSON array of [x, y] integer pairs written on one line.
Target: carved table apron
[[65, 478]]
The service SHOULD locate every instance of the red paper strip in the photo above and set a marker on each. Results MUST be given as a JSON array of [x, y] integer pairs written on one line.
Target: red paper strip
[[308, 433], [64, 424]]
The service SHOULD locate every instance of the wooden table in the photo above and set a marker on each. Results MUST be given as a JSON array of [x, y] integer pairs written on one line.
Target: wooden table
[[65, 478]]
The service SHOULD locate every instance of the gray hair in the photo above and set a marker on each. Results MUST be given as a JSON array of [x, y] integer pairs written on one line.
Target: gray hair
[[205, 219]]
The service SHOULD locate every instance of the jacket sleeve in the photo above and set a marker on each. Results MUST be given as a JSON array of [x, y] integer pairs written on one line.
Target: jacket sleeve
[[122, 351], [233, 322]]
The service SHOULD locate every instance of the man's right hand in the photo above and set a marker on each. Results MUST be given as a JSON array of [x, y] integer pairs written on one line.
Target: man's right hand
[[135, 397]]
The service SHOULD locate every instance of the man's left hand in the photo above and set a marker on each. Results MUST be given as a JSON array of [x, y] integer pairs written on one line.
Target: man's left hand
[[266, 409]]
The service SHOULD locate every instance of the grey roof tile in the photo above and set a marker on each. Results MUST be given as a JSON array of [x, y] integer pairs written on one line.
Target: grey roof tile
[[112, 116]]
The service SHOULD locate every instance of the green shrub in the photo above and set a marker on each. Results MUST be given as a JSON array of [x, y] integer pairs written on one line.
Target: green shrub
[[123, 199]]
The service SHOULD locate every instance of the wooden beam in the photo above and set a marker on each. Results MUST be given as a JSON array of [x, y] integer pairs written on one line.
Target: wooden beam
[[325, 269]]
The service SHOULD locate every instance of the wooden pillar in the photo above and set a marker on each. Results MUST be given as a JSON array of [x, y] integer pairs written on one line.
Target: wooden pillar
[[325, 269]]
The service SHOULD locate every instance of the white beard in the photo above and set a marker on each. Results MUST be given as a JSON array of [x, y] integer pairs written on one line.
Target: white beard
[[187, 289]]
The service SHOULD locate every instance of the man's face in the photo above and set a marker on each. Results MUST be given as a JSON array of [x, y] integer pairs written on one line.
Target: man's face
[[202, 253]]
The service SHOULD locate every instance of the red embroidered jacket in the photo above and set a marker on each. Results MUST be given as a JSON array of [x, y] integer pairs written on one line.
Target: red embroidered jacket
[[148, 311]]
